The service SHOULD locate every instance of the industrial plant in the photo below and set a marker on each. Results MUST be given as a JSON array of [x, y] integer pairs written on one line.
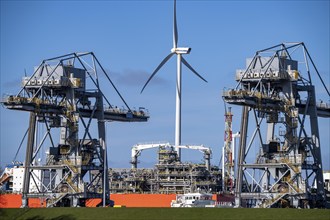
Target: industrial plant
[[68, 111]]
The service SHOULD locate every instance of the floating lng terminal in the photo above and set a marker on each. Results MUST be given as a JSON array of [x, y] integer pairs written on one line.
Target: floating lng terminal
[[269, 89], [69, 108]]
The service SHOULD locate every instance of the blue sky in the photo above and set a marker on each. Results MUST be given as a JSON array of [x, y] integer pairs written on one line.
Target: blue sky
[[130, 38]]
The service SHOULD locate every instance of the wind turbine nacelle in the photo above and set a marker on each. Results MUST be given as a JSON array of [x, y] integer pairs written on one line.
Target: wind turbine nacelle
[[181, 50]]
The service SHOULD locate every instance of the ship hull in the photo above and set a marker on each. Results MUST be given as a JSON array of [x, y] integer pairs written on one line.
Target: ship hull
[[127, 200]]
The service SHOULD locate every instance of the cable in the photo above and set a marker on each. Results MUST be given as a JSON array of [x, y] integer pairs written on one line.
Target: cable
[[14, 160]]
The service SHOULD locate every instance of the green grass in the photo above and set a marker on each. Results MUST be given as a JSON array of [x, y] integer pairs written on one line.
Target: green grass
[[163, 213]]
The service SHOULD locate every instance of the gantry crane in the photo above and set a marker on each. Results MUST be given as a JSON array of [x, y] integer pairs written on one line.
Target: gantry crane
[[286, 168], [63, 94]]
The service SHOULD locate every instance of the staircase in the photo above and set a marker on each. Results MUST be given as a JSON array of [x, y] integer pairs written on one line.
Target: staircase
[[72, 185], [70, 166], [54, 201], [271, 201], [74, 171]]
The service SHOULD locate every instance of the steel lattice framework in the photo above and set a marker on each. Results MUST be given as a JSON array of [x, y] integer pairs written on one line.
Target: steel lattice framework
[[62, 95], [286, 169]]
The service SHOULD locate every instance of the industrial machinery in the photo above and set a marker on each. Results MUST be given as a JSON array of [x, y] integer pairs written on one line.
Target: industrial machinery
[[138, 148], [228, 155], [170, 175], [63, 94], [280, 164]]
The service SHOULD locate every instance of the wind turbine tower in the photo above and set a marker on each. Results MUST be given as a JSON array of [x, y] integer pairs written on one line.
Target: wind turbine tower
[[179, 51]]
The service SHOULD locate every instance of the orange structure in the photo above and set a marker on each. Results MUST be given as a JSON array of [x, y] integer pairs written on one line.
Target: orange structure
[[15, 201], [138, 200], [128, 200]]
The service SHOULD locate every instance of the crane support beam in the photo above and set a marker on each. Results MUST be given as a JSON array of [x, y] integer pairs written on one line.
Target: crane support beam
[[109, 114], [268, 104], [28, 159]]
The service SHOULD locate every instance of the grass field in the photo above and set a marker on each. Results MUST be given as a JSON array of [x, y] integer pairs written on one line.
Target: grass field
[[163, 213]]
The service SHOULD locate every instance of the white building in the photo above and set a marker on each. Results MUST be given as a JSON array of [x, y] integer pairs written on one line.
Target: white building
[[18, 177]]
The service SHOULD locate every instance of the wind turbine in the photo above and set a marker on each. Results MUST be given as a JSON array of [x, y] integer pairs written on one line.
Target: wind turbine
[[179, 51]]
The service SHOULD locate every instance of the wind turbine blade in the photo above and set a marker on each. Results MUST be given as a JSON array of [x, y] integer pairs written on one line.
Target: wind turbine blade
[[175, 28], [192, 69], [158, 68]]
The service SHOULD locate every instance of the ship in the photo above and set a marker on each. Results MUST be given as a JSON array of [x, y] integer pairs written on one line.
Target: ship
[[57, 97], [135, 187], [194, 200]]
